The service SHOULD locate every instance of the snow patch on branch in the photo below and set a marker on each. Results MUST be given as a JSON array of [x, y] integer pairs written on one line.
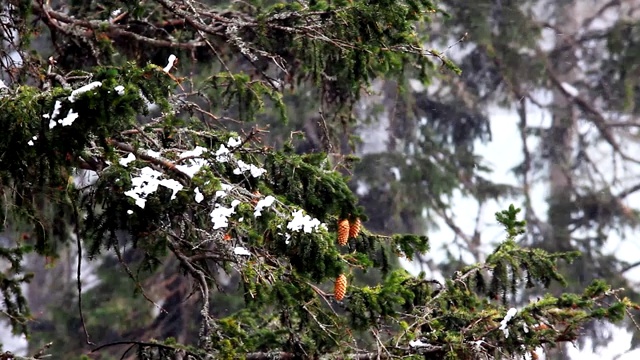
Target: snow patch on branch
[[125, 161], [264, 203], [147, 183], [570, 89], [503, 324], [220, 215], [69, 119], [223, 154], [119, 90], [305, 223], [56, 111], [418, 344], [170, 63], [81, 90], [71, 115], [234, 142], [244, 167], [239, 250], [192, 166], [199, 196], [197, 151]]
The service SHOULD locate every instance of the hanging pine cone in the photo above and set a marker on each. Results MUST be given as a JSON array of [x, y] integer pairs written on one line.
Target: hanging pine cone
[[354, 228], [341, 287], [343, 232]]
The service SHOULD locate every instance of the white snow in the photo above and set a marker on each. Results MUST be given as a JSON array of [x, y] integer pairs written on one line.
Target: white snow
[[197, 151], [69, 119], [244, 167], [193, 167], [83, 178], [154, 154], [417, 343], [56, 111], [170, 62], [239, 250], [263, 203], [362, 188], [503, 324], [81, 90], [174, 185], [396, 172], [199, 196], [304, 222], [223, 154], [220, 215], [570, 89], [147, 183], [233, 142], [125, 161], [220, 194]]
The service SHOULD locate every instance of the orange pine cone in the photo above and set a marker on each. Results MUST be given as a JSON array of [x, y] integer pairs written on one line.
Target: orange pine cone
[[341, 287], [354, 228], [343, 232]]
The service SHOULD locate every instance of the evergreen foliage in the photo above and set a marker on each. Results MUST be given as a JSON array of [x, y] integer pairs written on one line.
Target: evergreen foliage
[[180, 177]]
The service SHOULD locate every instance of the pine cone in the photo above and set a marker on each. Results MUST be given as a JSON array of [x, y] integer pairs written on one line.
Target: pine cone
[[343, 232], [354, 228], [340, 288]]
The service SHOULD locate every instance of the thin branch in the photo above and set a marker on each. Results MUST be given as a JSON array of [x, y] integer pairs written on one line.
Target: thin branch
[[145, 344], [132, 277], [76, 214], [167, 165]]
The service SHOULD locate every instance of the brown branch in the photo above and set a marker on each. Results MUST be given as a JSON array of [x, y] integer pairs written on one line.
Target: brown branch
[[40, 354], [199, 275], [198, 25], [145, 344], [53, 19], [167, 165], [135, 280], [76, 214]]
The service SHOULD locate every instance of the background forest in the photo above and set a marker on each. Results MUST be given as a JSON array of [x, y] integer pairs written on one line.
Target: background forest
[[412, 117]]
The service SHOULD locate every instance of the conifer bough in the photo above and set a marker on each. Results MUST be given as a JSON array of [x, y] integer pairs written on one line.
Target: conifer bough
[[166, 191]]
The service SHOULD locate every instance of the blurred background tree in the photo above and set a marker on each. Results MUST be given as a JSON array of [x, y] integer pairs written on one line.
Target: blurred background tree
[[563, 72]]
